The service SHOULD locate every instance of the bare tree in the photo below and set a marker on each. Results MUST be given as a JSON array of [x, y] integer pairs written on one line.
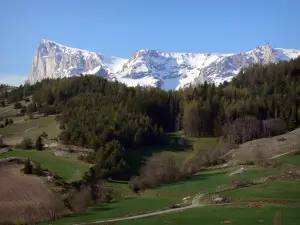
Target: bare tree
[[159, 169], [54, 209], [80, 200], [259, 156]]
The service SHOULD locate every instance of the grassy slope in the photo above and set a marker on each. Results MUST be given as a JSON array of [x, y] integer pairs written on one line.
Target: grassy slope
[[287, 190], [116, 209], [208, 181], [291, 159], [216, 215], [47, 124], [69, 170]]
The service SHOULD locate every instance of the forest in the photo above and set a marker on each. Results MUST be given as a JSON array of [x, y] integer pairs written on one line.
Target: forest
[[261, 101]]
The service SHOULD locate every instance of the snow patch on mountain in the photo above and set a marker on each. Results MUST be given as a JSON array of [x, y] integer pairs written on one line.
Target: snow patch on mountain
[[150, 67]]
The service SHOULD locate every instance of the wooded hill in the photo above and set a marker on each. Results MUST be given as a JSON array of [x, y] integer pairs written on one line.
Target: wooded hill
[[263, 100]]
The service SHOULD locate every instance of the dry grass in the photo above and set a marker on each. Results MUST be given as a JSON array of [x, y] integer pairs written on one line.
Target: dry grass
[[26, 198], [269, 147]]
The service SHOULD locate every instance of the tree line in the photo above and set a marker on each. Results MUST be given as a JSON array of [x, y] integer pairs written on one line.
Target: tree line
[[262, 100]]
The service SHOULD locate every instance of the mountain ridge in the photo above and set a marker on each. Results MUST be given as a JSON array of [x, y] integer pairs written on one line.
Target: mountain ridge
[[168, 70]]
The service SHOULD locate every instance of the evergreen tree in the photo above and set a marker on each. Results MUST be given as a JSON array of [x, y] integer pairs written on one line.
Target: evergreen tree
[[293, 118], [109, 160]]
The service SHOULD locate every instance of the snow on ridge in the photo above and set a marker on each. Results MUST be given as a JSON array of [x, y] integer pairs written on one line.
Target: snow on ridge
[[168, 70]]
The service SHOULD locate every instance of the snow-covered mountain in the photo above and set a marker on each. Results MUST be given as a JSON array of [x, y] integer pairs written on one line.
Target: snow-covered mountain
[[150, 67]]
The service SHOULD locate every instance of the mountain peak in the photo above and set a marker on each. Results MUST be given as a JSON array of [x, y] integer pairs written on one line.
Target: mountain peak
[[148, 67]]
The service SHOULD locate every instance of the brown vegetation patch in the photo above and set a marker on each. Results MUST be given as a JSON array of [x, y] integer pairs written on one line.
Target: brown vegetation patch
[[26, 198], [267, 147]]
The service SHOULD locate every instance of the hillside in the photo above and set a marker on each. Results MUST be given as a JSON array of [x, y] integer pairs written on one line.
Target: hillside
[[168, 70], [26, 198], [267, 147], [146, 146]]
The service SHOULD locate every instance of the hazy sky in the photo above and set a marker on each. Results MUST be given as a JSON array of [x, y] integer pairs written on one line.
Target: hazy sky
[[119, 27]]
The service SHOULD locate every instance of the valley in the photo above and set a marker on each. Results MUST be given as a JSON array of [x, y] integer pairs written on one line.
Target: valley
[[91, 151]]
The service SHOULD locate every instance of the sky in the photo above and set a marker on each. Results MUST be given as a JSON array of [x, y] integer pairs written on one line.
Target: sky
[[119, 27]]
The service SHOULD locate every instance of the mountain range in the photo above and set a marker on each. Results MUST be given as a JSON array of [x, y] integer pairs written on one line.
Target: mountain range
[[168, 70]]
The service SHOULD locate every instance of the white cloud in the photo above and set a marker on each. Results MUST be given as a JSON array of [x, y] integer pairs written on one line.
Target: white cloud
[[12, 79]]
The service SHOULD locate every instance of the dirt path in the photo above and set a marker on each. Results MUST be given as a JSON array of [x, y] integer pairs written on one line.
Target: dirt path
[[277, 156], [31, 129], [143, 215]]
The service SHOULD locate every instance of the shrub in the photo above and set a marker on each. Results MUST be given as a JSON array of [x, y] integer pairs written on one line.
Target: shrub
[[26, 143], [2, 103], [62, 126], [135, 184], [44, 135], [242, 183], [27, 167], [37, 169], [17, 105], [24, 109], [39, 144], [6, 122], [1, 143]]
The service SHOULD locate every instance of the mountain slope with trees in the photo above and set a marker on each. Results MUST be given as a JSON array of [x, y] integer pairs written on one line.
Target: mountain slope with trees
[[262, 101]]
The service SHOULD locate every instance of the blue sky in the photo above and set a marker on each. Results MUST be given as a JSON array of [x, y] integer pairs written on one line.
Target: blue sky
[[119, 27]]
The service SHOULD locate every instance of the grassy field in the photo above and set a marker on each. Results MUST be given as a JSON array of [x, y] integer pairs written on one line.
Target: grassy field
[[208, 181], [291, 159], [32, 128], [118, 208], [216, 215], [285, 190], [69, 170]]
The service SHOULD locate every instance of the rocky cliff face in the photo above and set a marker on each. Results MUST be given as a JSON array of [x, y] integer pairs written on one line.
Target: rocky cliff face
[[53, 60], [150, 67]]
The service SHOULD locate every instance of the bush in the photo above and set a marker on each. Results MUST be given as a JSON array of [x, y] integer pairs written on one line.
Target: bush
[[62, 126], [26, 143], [159, 169], [242, 183], [1, 143], [2, 103], [135, 184], [37, 170], [6, 122], [47, 110], [24, 109], [27, 167], [17, 105], [44, 135], [39, 144]]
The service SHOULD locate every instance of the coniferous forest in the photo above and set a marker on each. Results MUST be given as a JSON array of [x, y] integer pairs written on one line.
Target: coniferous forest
[[263, 100]]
